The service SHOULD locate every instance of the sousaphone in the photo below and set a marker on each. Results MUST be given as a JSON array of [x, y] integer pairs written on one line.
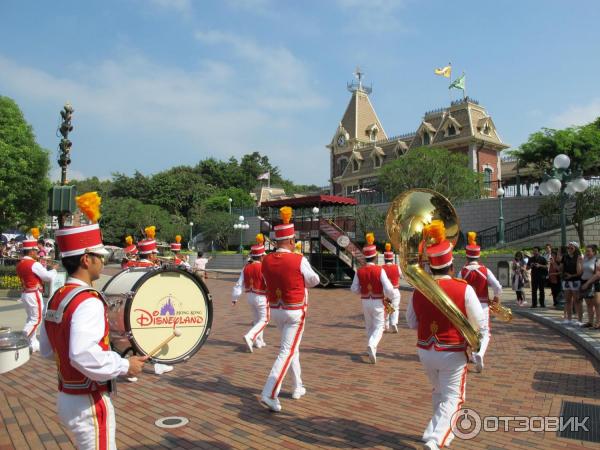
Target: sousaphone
[[407, 216]]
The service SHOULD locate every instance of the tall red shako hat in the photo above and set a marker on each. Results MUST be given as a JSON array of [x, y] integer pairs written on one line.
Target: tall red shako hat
[[388, 255], [439, 251], [148, 245], [31, 243], [74, 241], [472, 249], [370, 250], [286, 229], [176, 246], [130, 247], [258, 249]]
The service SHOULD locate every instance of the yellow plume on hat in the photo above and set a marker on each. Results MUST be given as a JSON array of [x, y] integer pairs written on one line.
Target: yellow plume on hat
[[178, 238], [388, 247], [286, 214], [298, 245], [370, 237], [89, 204], [129, 240], [260, 239], [150, 232], [472, 238], [35, 232], [436, 231]]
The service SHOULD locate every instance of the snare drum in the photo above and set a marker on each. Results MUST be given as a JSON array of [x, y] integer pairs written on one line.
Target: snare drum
[[144, 306], [14, 350]]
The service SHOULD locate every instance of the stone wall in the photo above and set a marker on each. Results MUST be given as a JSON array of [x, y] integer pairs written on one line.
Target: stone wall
[[591, 233]]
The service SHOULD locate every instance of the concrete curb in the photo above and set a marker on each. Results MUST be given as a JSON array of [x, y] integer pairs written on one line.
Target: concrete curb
[[10, 293], [591, 345]]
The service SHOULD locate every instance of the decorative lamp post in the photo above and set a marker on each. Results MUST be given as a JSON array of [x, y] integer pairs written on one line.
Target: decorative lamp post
[[563, 181], [230, 200], [241, 225], [500, 194], [315, 212], [191, 235]]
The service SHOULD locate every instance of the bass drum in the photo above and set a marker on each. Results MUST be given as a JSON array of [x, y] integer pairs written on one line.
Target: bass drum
[[145, 305]]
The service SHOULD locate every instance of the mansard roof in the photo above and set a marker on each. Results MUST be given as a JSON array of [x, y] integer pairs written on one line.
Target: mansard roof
[[360, 117]]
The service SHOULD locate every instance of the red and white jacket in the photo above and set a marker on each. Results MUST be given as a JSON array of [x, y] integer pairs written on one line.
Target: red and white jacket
[[481, 279], [287, 275], [372, 283], [393, 273], [434, 330], [76, 335], [251, 281], [32, 274]]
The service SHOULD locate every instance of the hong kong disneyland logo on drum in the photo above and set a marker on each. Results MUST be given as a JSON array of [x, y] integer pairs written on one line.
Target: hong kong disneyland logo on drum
[[168, 312]]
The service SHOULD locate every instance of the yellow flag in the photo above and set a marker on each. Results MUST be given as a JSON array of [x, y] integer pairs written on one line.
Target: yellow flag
[[445, 72]]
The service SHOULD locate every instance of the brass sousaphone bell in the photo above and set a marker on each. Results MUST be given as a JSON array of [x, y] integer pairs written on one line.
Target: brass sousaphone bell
[[407, 216]]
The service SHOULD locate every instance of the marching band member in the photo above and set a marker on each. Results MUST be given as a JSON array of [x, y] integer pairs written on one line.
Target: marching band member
[[33, 275], [176, 248], [131, 252], [75, 334], [147, 249], [287, 275], [480, 278], [393, 273], [441, 346], [372, 284], [252, 282], [148, 252]]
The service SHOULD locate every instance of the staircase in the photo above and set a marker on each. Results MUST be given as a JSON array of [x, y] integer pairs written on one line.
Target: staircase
[[518, 229], [351, 255]]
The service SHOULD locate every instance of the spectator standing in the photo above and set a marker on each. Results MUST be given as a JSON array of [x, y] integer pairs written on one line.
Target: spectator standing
[[539, 271], [589, 264], [518, 277], [594, 281], [200, 265], [554, 277], [571, 264]]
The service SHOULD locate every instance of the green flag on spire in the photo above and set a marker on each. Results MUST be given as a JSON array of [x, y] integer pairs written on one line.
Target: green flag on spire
[[459, 83]]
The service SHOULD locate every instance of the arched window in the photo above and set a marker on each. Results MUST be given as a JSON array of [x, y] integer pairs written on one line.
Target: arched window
[[451, 130], [426, 138], [487, 177]]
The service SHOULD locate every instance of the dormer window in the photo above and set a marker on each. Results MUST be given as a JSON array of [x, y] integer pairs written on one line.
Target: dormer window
[[451, 130], [372, 131], [355, 165], [486, 129], [342, 163], [426, 138], [377, 161]]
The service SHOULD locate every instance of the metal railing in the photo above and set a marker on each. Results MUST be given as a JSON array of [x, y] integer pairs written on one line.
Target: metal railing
[[519, 229]]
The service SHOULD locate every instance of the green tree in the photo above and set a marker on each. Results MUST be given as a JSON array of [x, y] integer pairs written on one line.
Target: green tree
[[124, 216], [581, 144], [216, 226], [368, 219], [441, 170], [24, 180], [93, 184], [580, 207]]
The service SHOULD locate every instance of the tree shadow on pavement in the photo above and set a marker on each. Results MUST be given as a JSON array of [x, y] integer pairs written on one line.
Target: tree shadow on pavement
[[566, 384]]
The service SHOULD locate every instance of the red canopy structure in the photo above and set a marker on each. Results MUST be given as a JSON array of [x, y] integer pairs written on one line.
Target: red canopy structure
[[312, 200]]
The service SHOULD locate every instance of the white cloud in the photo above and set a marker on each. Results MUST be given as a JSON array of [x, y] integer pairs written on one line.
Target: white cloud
[[255, 100], [577, 115], [375, 15], [180, 6]]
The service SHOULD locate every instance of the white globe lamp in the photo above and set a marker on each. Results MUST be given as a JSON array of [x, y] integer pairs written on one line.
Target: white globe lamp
[[544, 188], [562, 161], [500, 192], [553, 185], [580, 184]]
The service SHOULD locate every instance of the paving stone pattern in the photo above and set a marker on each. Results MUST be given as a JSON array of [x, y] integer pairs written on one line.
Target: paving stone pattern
[[530, 369]]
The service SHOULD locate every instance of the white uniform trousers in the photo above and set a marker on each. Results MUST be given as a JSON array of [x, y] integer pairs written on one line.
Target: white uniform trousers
[[392, 319], [485, 341], [447, 372], [291, 324], [34, 307], [91, 419], [260, 312], [374, 318]]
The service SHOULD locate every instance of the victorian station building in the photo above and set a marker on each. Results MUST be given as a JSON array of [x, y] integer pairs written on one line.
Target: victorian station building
[[361, 146]]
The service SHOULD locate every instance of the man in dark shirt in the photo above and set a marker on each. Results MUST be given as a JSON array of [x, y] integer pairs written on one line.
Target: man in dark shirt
[[539, 271]]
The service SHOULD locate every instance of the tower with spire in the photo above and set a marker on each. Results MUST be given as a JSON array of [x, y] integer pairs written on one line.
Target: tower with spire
[[360, 146]]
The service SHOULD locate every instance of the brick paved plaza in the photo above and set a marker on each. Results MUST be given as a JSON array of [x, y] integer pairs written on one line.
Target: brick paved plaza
[[530, 369]]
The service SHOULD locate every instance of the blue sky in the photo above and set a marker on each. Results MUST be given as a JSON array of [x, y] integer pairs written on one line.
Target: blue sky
[[158, 83]]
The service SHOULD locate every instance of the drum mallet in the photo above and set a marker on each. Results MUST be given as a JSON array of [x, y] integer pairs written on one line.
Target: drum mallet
[[175, 333]]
